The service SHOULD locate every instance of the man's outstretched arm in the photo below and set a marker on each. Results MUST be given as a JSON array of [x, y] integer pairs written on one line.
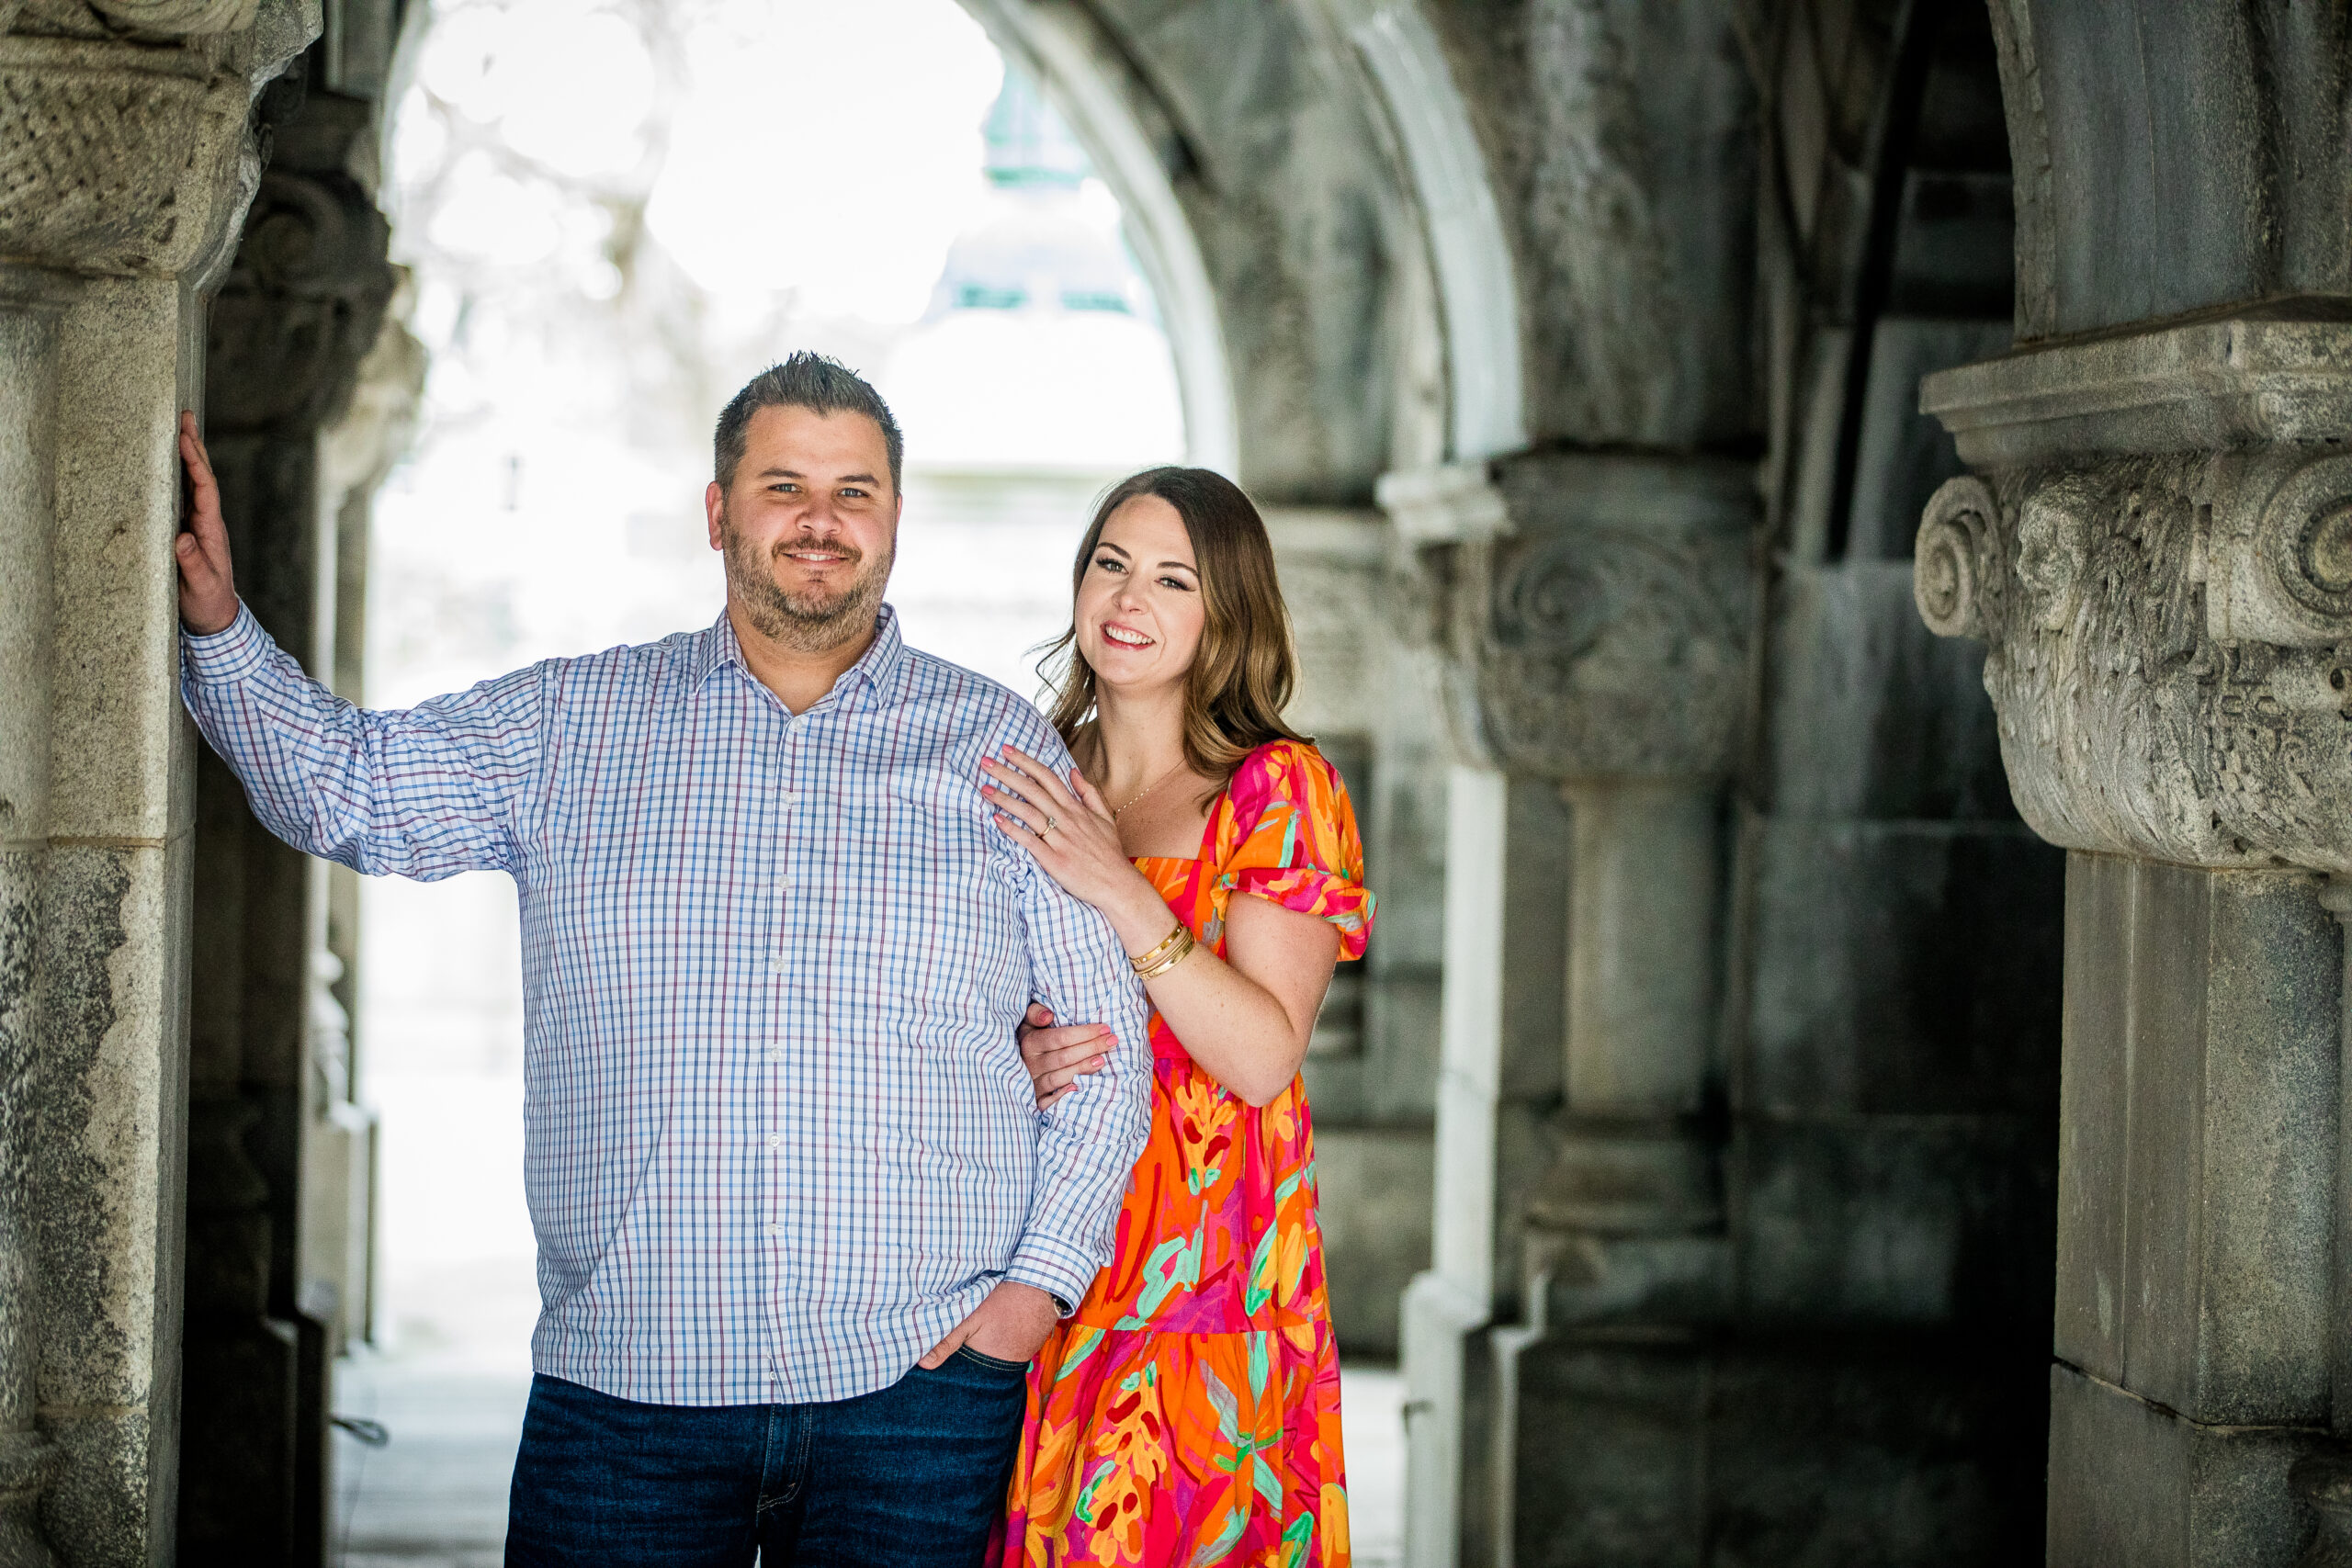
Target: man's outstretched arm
[[427, 794]]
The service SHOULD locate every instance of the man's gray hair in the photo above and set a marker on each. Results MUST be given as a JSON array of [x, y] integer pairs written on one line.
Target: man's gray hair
[[805, 380]]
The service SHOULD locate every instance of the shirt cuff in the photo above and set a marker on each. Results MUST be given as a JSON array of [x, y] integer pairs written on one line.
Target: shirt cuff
[[1060, 1271], [229, 655]]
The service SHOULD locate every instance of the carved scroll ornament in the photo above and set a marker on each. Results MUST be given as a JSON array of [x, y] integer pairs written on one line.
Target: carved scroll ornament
[[180, 18], [1592, 609], [1605, 652], [301, 306], [2170, 648]]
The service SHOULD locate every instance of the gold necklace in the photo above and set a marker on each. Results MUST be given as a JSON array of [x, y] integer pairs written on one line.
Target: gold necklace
[[1149, 788]]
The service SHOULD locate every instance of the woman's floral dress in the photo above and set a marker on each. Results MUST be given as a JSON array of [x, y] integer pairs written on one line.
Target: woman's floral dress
[[1188, 1411]]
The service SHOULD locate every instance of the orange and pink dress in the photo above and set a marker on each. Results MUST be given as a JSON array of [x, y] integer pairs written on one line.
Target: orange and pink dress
[[1188, 1411]]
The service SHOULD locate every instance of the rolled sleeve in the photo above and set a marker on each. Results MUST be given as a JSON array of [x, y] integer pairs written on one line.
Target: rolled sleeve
[[1055, 1267]]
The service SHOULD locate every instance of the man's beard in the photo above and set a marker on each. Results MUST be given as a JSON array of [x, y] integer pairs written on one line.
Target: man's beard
[[813, 621]]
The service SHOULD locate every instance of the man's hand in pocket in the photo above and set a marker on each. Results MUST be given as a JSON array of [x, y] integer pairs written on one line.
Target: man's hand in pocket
[[1011, 1324]]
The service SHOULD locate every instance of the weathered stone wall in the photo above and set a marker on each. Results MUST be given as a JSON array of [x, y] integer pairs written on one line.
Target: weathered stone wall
[[1793, 961], [2174, 156], [129, 162], [2150, 557], [1620, 139], [1749, 1162]]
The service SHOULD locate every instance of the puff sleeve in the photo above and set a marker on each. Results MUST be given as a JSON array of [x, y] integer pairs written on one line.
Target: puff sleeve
[[1297, 845]]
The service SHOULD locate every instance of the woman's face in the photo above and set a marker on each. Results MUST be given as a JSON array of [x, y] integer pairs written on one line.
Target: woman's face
[[1139, 611]]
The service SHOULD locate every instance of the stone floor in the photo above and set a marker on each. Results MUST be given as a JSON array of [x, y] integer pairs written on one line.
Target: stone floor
[[435, 1495]]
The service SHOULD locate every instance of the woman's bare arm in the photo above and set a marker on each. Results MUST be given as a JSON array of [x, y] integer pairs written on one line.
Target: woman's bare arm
[[1246, 1018]]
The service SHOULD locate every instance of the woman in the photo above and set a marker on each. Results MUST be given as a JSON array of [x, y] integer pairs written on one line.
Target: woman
[[1188, 1411]]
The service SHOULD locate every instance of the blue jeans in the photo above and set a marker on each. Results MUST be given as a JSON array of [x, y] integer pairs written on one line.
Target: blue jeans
[[909, 1476]]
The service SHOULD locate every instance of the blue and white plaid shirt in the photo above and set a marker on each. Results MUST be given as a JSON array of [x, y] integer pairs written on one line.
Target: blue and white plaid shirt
[[778, 1135]]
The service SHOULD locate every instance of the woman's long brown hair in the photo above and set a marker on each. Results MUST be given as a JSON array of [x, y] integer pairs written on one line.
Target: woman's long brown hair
[[1245, 669]]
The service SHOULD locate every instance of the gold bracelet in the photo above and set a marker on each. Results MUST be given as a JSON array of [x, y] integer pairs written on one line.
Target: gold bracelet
[[1145, 960], [1183, 949]]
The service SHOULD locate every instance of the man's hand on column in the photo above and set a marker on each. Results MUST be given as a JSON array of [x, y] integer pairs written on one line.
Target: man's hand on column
[[1010, 1325], [208, 588]]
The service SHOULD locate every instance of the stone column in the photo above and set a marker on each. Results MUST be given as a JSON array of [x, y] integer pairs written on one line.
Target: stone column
[[337, 1244], [130, 166], [1595, 615], [273, 1136], [2157, 552], [27, 408], [1372, 1067]]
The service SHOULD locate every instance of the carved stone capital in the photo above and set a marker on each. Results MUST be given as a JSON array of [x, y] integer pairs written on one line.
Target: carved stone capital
[[114, 158], [1332, 563], [1599, 628], [2169, 629], [132, 155], [301, 307]]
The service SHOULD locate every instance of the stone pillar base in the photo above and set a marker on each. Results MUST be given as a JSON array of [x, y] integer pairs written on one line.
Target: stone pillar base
[[239, 1404], [1639, 1447], [2133, 1483]]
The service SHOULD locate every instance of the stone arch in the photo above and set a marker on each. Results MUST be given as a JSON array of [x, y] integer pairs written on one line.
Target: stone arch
[[1237, 134], [1469, 251]]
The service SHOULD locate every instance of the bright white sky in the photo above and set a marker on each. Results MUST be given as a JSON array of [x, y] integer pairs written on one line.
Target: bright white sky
[[828, 148]]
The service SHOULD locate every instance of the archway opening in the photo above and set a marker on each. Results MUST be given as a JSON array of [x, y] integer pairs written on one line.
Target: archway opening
[[610, 219], [609, 224]]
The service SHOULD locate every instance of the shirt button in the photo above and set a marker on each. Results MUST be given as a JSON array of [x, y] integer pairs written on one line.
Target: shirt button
[[774, 1228], [788, 801], [775, 1140], [776, 1053]]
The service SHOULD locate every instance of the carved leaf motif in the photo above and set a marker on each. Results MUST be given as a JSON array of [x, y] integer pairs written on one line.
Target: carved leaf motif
[[2128, 723]]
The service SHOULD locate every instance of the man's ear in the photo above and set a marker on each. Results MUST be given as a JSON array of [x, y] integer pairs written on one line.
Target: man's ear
[[714, 506]]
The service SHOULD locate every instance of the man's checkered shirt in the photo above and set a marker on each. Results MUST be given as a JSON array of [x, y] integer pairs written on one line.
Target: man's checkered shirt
[[778, 1135]]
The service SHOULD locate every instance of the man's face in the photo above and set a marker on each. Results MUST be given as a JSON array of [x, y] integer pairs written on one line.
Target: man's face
[[809, 526]]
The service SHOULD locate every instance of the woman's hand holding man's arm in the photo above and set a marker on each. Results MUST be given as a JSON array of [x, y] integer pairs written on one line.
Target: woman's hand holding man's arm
[[1246, 1018]]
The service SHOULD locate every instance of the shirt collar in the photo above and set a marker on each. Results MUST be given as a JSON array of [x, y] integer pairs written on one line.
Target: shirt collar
[[879, 668]]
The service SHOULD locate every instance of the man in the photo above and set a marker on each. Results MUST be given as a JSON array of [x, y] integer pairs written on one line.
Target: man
[[801, 1224]]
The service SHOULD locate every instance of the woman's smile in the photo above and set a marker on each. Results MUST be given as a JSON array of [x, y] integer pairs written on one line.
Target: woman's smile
[[1140, 566]]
